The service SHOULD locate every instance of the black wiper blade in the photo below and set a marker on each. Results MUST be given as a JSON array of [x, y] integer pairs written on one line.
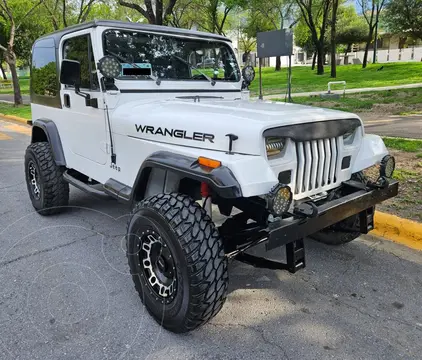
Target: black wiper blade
[[212, 81]]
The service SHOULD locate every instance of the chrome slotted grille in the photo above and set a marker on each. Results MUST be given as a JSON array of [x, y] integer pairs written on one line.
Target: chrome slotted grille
[[317, 164]]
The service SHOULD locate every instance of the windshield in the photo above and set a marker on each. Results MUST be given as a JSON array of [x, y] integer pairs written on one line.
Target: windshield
[[169, 57]]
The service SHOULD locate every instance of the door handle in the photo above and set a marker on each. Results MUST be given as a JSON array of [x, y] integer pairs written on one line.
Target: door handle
[[67, 100]]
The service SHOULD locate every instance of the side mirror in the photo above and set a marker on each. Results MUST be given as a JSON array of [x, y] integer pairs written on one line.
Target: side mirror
[[70, 73]]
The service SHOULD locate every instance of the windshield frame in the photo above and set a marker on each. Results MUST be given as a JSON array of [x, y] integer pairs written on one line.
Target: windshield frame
[[220, 43]]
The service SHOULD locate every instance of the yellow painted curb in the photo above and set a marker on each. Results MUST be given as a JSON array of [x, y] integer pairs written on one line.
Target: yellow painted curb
[[399, 230], [15, 118]]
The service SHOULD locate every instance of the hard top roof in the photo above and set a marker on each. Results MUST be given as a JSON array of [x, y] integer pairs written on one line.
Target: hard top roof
[[57, 35]]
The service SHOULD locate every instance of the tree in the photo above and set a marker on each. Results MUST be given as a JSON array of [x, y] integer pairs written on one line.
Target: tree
[[404, 16], [303, 39], [371, 10], [214, 15], [351, 28], [158, 14], [315, 14], [334, 39], [63, 13], [184, 15], [269, 15], [14, 13]]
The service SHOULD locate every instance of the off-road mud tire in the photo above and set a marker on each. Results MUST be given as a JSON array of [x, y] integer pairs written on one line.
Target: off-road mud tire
[[198, 255], [53, 190], [337, 236]]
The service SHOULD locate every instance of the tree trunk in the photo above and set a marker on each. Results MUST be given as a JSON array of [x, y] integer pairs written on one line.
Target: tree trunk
[[159, 13], [348, 49], [277, 63], [11, 61], [368, 44], [3, 73], [314, 60], [333, 61], [320, 59], [333, 40]]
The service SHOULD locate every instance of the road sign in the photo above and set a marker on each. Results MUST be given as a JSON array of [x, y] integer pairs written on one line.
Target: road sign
[[274, 43]]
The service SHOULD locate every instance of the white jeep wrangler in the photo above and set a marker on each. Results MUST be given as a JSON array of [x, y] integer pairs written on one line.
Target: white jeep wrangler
[[157, 117]]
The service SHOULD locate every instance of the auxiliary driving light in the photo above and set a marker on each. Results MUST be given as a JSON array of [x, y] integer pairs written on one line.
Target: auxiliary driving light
[[110, 67], [387, 166], [279, 199]]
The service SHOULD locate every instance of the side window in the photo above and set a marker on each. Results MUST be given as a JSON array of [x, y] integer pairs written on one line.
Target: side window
[[80, 49], [44, 69]]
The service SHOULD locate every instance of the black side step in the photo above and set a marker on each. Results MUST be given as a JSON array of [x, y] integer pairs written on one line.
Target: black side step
[[84, 187], [118, 190]]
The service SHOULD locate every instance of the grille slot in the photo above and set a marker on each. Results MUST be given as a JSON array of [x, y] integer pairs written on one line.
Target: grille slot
[[317, 164]]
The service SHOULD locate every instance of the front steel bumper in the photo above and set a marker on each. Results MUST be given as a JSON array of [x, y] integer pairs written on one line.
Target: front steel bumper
[[291, 229]]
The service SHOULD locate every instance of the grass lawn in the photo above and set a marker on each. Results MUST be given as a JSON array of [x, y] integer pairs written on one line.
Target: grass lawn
[[397, 102], [404, 145], [304, 79], [23, 111], [24, 83]]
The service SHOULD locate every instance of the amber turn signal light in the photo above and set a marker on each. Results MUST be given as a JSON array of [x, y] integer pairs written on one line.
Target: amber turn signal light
[[209, 162]]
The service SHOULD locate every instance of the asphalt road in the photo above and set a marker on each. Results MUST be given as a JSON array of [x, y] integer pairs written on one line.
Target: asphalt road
[[66, 293], [9, 98], [402, 126]]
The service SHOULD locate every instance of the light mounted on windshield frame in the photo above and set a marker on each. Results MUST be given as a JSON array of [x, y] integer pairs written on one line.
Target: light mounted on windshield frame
[[109, 67]]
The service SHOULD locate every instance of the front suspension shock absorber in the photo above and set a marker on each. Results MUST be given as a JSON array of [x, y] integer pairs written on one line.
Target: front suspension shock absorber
[[206, 198]]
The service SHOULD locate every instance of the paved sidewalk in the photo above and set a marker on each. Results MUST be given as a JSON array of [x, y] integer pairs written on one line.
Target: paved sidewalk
[[348, 91]]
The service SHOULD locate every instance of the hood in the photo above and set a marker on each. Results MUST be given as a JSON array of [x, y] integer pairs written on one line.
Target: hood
[[207, 123]]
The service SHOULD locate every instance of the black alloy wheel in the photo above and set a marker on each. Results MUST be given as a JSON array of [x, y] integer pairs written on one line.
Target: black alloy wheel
[[177, 261]]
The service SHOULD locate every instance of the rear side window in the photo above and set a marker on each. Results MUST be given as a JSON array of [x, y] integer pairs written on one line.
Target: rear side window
[[80, 49], [43, 69]]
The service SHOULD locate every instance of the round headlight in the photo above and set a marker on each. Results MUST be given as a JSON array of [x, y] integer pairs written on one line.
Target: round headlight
[[348, 138], [279, 199], [387, 166], [110, 67], [274, 146]]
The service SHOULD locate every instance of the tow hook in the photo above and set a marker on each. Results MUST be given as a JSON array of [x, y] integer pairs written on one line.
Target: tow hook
[[381, 183], [306, 210]]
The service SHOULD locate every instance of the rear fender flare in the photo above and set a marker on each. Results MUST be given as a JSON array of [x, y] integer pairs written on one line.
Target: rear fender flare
[[46, 130]]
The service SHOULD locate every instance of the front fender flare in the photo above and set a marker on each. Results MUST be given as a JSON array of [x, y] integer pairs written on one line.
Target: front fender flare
[[221, 179], [52, 134]]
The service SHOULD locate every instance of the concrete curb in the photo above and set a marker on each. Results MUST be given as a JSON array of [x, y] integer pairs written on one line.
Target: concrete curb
[[15, 118], [398, 230]]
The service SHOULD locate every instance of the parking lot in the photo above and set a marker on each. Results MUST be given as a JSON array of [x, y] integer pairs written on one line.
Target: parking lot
[[66, 292]]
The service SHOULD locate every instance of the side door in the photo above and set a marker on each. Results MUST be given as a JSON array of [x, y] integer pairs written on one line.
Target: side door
[[85, 125]]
